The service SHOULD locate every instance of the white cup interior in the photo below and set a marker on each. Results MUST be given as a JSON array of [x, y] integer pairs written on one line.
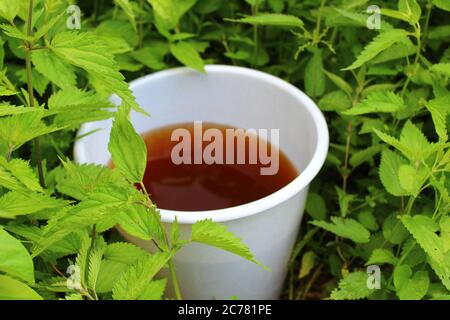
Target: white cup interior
[[233, 96]]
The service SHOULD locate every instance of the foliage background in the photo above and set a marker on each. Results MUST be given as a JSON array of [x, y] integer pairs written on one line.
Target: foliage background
[[382, 197]]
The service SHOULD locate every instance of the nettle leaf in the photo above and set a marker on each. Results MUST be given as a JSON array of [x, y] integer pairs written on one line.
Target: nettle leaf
[[18, 129], [441, 68], [87, 51], [393, 230], [442, 4], [340, 83], [388, 172], [382, 256], [352, 287], [314, 76], [381, 42], [439, 109], [365, 155], [53, 68], [152, 57], [187, 55], [315, 206], [14, 32], [16, 203], [342, 17], [154, 290], [308, 261], [345, 228], [9, 110], [410, 288], [424, 229], [411, 179], [10, 9], [411, 8], [271, 19], [335, 101], [168, 12], [128, 149], [14, 258], [217, 235], [12, 289], [127, 7], [101, 204], [95, 260], [378, 101], [18, 176], [136, 278], [123, 252]]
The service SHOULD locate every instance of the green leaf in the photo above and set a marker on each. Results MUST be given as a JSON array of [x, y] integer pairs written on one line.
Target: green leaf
[[53, 68], [393, 230], [271, 19], [352, 287], [345, 228], [127, 7], [389, 168], [128, 149], [381, 256], [439, 109], [217, 235], [135, 280], [187, 55], [410, 288], [152, 57], [154, 290], [14, 32], [442, 4], [18, 176], [411, 8], [95, 260], [340, 83], [365, 155], [423, 229], [308, 261], [11, 289], [335, 101], [381, 42], [314, 75], [411, 180], [441, 68], [315, 206], [18, 129], [123, 252], [10, 9], [87, 51], [378, 101], [9, 110], [16, 203], [14, 258], [169, 12]]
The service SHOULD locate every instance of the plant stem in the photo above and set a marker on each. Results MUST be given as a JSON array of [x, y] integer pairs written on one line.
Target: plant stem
[[173, 274], [29, 46]]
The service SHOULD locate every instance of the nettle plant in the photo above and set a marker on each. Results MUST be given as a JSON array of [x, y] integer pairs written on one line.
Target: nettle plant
[[381, 203], [53, 221]]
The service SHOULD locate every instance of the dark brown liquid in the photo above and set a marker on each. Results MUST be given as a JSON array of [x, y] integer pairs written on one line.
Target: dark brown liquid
[[198, 187]]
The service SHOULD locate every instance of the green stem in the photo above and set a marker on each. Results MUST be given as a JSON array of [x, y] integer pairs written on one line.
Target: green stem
[[29, 46], [173, 274]]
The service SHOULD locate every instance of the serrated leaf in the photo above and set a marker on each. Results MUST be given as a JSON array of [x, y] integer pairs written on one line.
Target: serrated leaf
[[16, 203], [352, 287], [14, 258], [411, 8], [335, 101], [187, 55], [345, 228], [95, 260], [361, 156], [169, 12], [18, 176], [127, 7], [128, 149], [123, 252], [340, 82], [87, 51], [423, 229], [381, 42], [152, 57], [11, 289], [9, 110], [53, 68], [154, 290], [135, 280], [381, 256], [217, 235], [393, 230], [441, 68], [10, 9], [439, 109], [314, 75], [410, 288], [271, 19], [378, 101], [411, 180]]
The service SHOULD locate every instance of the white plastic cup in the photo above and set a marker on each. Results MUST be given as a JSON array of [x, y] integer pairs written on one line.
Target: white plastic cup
[[243, 98]]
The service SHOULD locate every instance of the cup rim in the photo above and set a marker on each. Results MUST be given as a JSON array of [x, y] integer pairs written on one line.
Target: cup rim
[[270, 201]]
